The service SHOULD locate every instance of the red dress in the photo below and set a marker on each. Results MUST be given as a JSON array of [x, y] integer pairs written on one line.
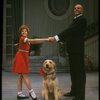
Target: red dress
[[21, 60]]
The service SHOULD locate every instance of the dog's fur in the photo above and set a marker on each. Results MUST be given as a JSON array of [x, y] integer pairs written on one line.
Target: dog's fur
[[50, 89]]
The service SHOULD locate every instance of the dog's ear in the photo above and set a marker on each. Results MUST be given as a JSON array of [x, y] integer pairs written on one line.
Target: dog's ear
[[44, 62], [42, 72], [54, 64]]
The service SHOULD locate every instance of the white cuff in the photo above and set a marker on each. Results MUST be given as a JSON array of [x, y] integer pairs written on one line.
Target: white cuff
[[25, 40], [56, 37]]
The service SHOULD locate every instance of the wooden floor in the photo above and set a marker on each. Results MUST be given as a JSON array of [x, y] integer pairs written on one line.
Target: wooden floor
[[9, 85]]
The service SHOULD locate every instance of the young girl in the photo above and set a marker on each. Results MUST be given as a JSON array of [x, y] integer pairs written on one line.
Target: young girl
[[21, 61]]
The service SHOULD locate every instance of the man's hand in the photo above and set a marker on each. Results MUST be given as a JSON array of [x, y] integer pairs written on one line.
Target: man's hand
[[61, 43], [51, 39]]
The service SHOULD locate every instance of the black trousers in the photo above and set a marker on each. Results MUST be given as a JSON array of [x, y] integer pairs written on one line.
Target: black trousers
[[78, 75]]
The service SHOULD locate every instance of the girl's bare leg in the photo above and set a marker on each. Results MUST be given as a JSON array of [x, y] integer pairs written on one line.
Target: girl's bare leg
[[19, 82], [28, 84], [20, 94]]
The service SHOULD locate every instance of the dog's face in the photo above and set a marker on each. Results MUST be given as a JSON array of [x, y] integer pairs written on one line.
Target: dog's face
[[49, 66]]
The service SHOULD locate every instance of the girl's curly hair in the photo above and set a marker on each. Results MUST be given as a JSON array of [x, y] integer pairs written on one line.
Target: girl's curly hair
[[23, 27]]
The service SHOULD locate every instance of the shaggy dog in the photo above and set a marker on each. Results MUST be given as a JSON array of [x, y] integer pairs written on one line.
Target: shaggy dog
[[50, 89]]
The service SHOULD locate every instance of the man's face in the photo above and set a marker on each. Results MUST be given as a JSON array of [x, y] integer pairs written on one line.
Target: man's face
[[78, 9]]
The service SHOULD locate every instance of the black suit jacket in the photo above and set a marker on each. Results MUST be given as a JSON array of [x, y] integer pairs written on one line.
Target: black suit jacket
[[74, 35]]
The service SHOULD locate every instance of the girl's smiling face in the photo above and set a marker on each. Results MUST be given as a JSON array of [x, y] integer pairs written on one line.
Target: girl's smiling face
[[24, 32]]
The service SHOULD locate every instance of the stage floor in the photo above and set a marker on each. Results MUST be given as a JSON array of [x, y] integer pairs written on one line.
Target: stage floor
[[9, 85]]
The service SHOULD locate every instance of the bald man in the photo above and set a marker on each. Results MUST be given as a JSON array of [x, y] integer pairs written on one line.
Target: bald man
[[74, 38]]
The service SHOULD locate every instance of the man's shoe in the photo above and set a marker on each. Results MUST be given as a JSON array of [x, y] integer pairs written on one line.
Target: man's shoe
[[69, 94], [22, 96], [33, 95], [76, 98]]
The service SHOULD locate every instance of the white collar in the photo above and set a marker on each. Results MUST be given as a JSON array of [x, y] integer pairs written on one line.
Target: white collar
[[78, 16]]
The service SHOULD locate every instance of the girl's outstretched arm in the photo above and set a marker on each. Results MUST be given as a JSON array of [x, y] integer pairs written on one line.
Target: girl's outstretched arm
[[38, 40]]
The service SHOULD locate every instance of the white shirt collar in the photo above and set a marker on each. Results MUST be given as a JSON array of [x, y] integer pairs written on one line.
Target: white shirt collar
[[78, 16]]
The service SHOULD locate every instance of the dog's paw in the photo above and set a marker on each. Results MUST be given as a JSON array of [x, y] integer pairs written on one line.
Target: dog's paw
[[60, 93]]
